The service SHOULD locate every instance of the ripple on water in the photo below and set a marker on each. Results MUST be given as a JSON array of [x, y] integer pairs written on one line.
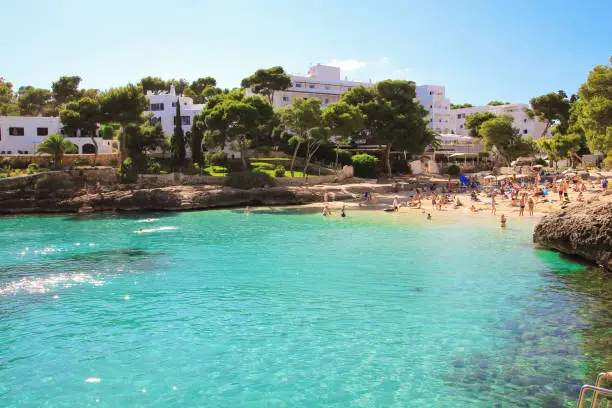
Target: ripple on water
[[41, 285]]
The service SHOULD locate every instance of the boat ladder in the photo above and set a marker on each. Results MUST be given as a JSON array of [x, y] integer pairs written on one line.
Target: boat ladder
[[597, 389]]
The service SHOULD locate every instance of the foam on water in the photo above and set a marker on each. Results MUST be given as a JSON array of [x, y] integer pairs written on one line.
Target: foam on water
[[158, 229]]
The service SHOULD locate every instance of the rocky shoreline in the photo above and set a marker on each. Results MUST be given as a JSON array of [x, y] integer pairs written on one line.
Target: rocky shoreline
[[176, 198], [583, 229]]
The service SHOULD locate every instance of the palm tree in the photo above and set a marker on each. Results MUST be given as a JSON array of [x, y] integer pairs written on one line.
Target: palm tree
[[57, 145]]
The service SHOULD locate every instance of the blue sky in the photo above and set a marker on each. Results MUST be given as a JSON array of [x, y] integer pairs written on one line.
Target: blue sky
[[480, 50]]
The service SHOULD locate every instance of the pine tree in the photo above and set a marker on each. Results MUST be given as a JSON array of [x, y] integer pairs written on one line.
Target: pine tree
[[178, 139]]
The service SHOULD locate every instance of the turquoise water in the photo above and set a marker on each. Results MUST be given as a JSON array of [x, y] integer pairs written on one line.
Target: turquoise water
[[285, 309]]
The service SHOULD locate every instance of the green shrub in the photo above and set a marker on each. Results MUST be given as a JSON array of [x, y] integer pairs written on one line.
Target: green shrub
[[218, 158], [279, 171], [154, 168], [453, 170], [234, 166], [53, 183], [541, 162], [364, 165], [128, 171], [18, 163], [249, 179], [113, 161], [80, 162], [6, 163], [32, 168], [400, 166]]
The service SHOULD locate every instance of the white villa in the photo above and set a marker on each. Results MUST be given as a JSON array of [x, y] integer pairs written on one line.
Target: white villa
[[21, 135], [163, 107]]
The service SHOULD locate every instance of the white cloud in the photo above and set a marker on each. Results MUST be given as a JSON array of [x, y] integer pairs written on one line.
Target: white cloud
[[348, 65]]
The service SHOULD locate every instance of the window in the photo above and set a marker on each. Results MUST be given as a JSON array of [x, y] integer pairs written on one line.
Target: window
[[157, 106], [431, 92], [458, 116], [16, 131], [285, 99], [174, 104], [298, 85], [185, 120], [311, 86], [42, 131], [155, 120], [525, 131], [430, 106], [460, 126]]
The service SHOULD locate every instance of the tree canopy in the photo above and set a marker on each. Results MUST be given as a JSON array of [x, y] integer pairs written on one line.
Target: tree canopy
[[234, 118], [499, 135], [84, 114], [65, 89], [153, 84], [35, 101], [593, 110], [177, 143], [551, 108], [343, 120], [459, 106], [266, 81], [474, 121], [393, 116], [304, 119], [497, 103]]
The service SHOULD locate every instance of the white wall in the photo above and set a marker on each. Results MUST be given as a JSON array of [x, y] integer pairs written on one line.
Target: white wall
[[30, 139]]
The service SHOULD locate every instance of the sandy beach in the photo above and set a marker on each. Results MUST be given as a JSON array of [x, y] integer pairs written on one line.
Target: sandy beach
[[384, 199]]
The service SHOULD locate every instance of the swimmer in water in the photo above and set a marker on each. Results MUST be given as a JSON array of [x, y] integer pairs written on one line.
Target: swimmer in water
[[429, 216], [325, 211], [342, 213], [247, 210], [140, 230], [502, 221], [148, 220]]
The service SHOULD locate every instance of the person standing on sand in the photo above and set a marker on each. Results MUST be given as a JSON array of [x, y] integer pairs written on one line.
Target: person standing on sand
[[502, 221], [325, 197], [604, 185], [342, 212], [531, 204], [374, 200], [522, 206], [493, 208]]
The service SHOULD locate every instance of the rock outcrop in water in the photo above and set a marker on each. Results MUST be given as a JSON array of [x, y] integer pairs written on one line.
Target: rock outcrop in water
[[583, 229], [164, 199]]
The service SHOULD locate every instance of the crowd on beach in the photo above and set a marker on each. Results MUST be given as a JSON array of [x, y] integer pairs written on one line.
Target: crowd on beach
[[510, 194]]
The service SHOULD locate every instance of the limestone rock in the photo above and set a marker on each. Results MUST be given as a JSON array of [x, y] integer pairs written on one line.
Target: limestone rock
[[583, 229]]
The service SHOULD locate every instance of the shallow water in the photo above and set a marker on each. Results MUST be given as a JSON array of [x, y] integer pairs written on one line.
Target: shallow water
[[284, 309]]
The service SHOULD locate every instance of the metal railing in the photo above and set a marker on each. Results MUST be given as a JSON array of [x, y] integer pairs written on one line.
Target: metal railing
[[596, 388]]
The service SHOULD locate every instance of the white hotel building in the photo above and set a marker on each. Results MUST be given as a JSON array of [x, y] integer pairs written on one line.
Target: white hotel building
[[322, 82], [433, 98], [21, 135], [527, 127]]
